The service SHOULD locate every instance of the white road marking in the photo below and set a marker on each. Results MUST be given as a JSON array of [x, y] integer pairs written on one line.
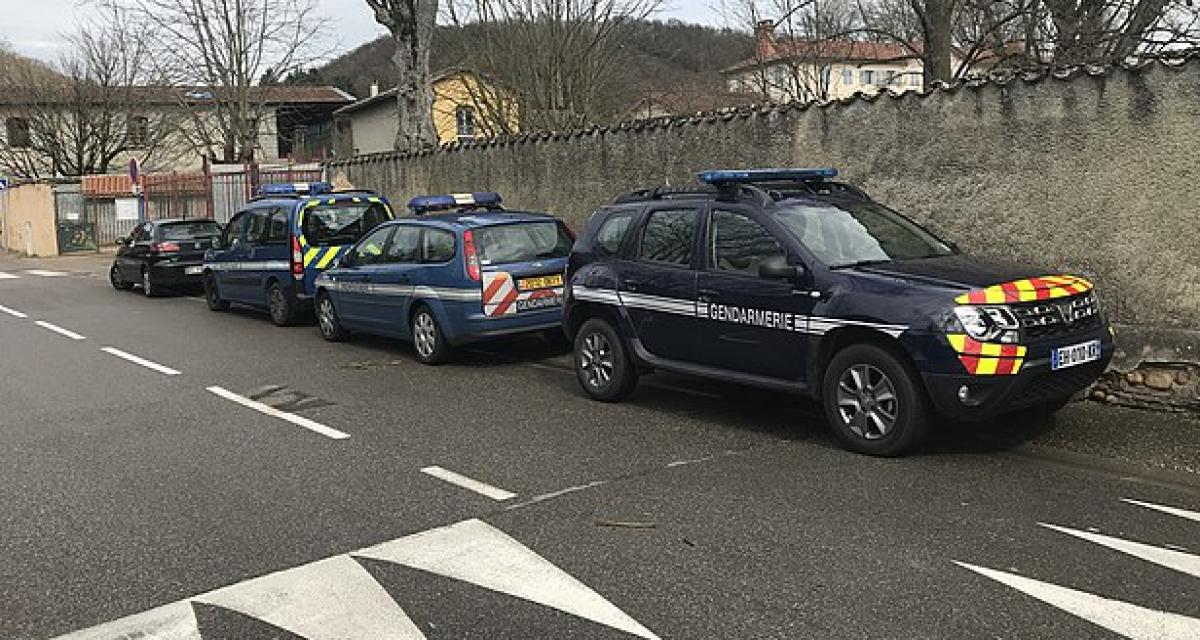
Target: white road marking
[[330, 599], [175, 621], [1175, 511], [13, 312], [1119, 617], [46, 274], [1177, 560], [470, 484], [476, 552], [4, 275], [142, 361], [299, 421], [59, 330]]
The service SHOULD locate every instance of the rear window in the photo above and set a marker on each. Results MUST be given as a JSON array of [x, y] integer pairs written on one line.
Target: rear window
[[342, 222], [522, 242], [189, 230]]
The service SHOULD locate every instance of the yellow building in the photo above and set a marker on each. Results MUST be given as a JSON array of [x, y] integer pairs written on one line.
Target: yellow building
[[465, 107]]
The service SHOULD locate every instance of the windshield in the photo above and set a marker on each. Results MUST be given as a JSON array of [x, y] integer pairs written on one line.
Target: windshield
[[342, 222], [858, 232], [189, 230], [522, 242]]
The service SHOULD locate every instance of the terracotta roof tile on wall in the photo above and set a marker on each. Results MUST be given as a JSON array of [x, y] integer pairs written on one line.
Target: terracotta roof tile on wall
[[831, 50], [281, 94]]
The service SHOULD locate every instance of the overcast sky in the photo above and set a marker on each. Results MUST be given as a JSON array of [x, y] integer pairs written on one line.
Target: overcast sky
[[35, 27]]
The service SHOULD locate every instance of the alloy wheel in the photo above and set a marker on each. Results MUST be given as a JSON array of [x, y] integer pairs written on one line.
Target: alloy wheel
[[424, 334], [325, 316], [596, 359], [278, 304], [866, 401]]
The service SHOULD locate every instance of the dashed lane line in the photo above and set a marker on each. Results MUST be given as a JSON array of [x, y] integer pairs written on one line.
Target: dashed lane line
[[1175, 511], [470, 484], [154, 366], [4, 275], [59, 330], [299, 421], [13, 312], [46, 273]]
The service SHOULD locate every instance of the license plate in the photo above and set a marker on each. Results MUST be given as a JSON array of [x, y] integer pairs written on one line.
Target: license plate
[[1076, 354], [543, 282], [193, 271]]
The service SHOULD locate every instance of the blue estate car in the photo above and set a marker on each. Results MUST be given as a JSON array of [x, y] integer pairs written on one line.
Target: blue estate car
[[271, 251], [788, 279], [461, 271]]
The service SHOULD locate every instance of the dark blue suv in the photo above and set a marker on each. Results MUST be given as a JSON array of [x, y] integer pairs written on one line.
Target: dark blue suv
[[785, 278]]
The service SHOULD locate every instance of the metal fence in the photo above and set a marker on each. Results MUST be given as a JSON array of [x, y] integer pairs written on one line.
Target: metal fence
[[234, 185]]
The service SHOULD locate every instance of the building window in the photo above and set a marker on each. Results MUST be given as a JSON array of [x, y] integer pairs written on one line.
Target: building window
[[464, 122], [866, 76], [16, 132], [826, 75], [137, 132], [847, 77], [888, 78], [914, 79]]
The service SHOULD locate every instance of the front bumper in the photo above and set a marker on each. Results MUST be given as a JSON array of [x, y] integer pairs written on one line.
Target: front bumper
[[1035, 384]]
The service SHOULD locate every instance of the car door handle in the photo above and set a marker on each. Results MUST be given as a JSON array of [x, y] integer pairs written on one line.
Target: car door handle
[[707, 295]]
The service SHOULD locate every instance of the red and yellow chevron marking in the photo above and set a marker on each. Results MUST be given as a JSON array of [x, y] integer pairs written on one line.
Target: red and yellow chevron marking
[[987, 358], [1028, 290]]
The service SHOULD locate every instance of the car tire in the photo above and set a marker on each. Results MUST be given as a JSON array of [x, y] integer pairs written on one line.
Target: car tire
[[874, 402], [114, 276], [280, 305], [602, 363], [429, 343], [328, 322], [212, 294], [148, 287]]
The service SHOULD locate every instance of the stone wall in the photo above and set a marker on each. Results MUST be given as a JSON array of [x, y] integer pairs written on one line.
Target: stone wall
[[1091, 171]]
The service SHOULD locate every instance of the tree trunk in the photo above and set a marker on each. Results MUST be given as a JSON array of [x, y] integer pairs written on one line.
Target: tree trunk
[[414, 99], [937, 24]]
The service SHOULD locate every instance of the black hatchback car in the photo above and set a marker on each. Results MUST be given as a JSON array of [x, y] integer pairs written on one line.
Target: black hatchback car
[[163, 254], [788, 279]]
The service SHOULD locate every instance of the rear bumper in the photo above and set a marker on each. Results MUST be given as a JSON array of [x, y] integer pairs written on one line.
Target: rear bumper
[[989, 396], [477, 327], [176, 273]]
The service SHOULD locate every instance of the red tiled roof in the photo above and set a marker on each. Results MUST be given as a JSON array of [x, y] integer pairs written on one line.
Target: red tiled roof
[[827, 50]]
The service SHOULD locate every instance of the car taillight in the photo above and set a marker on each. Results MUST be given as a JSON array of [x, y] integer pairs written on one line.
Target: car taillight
[[297, 257], [164, 247], [470, 256]]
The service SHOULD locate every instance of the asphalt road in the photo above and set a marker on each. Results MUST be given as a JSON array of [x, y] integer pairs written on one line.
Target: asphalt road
[[169, 472]]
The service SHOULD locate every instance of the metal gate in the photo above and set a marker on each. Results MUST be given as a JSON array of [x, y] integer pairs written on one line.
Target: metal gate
[[75, 231], [233, 185]]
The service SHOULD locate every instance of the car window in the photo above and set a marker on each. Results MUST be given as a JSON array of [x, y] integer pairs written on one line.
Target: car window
[[612, 233], [259, 225], [406, 245], [522, 242], [188, 230], [140, 233], [438, 245], [342, 222], [233, 230], [669, 237], [847, 233], [739, 244], [371, 249], [278, 231]]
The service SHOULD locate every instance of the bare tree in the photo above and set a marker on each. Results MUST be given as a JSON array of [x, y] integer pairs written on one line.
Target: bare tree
[[77, 117], [217, 52], [552, 62], [411, 24]]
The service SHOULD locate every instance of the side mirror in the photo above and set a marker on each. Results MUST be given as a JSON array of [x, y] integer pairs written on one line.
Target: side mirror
[[122, 242], [777, 268]]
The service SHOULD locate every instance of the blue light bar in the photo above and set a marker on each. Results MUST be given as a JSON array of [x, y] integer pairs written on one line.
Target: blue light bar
[[750, 176], [427, 204], [294, 188]]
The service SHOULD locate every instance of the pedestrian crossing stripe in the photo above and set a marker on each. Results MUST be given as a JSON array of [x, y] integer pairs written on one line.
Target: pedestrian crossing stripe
[[337, 598], [1169, 558]]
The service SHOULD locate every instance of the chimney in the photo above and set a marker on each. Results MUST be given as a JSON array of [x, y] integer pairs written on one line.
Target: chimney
[[374, 89], [764, 38]]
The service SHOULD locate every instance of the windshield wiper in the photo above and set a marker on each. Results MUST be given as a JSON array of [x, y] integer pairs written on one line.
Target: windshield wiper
[[860, 263]]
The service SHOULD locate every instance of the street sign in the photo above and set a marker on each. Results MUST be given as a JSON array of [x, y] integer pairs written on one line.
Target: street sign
[[3, 184], [134, 170]]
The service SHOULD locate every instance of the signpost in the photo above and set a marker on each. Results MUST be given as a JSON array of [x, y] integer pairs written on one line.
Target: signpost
[[135, 186]]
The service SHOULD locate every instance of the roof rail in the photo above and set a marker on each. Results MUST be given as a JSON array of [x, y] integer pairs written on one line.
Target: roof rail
[[726, 192]]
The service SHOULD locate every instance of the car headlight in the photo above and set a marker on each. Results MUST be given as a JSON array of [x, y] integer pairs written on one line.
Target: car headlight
[[988, 323]]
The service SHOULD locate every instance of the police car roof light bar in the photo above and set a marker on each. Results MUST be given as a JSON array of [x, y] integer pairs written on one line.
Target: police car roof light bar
[[294, 188], [429, 204], [720, 177]]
